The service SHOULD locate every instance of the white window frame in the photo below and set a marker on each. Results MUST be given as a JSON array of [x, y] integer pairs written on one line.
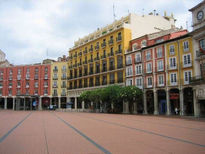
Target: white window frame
[[187, 64], [149, 71], [159, 68], [134, 47], [149, 85], [148, 55], [202, 44], [174, 83], [171, 50], [129, 59], [129, 82], [138, 69], [159, 52], [129, 71], [186, 45], [159, 82], [171, 62], [138, 57], [187, 80], [139, 80]]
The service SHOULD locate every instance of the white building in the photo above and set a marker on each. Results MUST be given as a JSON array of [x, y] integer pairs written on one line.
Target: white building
[[198, 33], [3, 61]]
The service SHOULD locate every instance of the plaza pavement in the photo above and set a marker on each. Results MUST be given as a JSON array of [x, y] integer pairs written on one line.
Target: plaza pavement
[[52, 132]]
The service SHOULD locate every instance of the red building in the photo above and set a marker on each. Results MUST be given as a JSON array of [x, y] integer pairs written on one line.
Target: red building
[[23, 84]]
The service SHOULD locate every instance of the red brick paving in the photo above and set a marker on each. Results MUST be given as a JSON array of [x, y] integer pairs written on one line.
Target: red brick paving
[[42, 132]]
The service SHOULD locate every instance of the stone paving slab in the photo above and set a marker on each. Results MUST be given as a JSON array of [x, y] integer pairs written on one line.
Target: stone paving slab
[[51, 132]]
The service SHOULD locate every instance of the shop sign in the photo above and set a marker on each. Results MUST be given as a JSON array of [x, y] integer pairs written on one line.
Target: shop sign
[[174, 96]]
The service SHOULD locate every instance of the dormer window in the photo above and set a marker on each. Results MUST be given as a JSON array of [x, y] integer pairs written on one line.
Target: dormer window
[[143, 43], [134, 46]]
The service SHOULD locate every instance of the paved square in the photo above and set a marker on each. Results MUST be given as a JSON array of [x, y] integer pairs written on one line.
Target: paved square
[[69, 132]]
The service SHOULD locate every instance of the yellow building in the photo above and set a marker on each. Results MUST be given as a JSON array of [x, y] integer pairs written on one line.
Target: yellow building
[[59, 83], [180, 70]]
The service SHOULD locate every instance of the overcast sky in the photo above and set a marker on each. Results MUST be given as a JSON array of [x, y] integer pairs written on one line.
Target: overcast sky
[[29, 29]]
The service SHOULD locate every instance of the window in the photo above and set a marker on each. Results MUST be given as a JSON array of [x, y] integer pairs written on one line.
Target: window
[[27, 70], [171, 50], [161, 80], [46, 92], [143, 43], [36, 84], [138, 58], [19, 71], [10, 92], [129, 71], [112, 78], [160, 65], [172, 63], [139, 82], [64, 68], [187, 76], [159, 52], [138, 69], [129, 82], [149, 82], [202, 44], [27, 84], [187, 60], [18, 84], [18, 92], [55, 84], [186, 45], [173, 78], [148, 55], [134, 47], [128, 60], [149, 67], [45, 83], [36, 92], [46, 69]]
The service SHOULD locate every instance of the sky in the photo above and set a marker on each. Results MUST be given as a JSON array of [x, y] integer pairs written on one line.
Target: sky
[[33, 30]]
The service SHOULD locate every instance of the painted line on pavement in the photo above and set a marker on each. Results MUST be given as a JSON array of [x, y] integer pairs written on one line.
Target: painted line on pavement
[[83, 135], [146, 131], [12, 129]]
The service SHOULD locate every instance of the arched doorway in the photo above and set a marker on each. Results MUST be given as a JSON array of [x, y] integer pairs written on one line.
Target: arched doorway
[[1, 102], [150, 102], [9, 103], [45, 103], [188, 101], [174, 100], [161, 94]]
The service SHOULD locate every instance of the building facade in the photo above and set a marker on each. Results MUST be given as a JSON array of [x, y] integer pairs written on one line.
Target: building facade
[[98, 60], [21, 85], [198, 35]]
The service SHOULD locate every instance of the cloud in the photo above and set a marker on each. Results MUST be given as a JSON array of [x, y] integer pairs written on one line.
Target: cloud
[[30, 28]]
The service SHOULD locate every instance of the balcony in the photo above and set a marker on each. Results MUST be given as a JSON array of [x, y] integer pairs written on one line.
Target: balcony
[[55, 94], [46, 77], [10, 78], [63, 94], [119, 38], [97, 83], [197, 80], [111, 41], [187, 65], [63, 86], [119, 66], [172, 67], [110, 54], [45, 85], [90, 61], [91, 72], [97, 47], [200, 55], [27, 86], [118, 52], [111, 68], [104, 69], [55, 70], [103, 45], [80, 54], [96, 58], [75, 55], [10, 86], [103, 56], [91, 50], [85, 52], [63, 78], [55, 86], [18, 86], [55, 78], [85, 62]]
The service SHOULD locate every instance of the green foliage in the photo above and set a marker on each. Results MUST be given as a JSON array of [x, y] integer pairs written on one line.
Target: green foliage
[[130, 93]]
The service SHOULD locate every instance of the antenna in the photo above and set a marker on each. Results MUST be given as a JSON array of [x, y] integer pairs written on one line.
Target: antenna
[[47, 53], [114, 16]]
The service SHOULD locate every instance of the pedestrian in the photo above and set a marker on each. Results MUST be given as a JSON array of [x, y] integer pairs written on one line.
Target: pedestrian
[[176, 110]]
